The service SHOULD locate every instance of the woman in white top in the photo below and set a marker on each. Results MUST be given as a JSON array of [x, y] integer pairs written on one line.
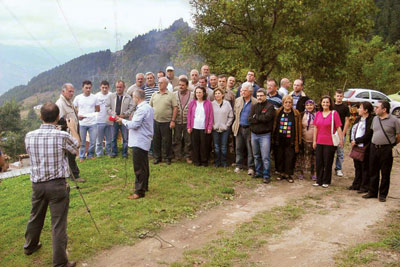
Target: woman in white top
[[199, 126]]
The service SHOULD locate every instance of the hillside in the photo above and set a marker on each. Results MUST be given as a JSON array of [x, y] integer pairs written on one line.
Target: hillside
[[148, 52]]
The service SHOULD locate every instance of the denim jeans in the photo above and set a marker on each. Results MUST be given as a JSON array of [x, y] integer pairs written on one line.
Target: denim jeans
[[103, 130], [261, 144], [92, 129], [124, 132], [243, 141], [339, 156], [220, 147]]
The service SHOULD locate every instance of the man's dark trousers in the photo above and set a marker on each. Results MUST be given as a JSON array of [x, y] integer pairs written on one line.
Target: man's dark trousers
[[53, 193], [162, 141], [382, 161], [141, 168]]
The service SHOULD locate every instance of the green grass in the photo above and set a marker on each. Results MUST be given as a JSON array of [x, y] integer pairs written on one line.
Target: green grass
[[176, 191], [388, 242]]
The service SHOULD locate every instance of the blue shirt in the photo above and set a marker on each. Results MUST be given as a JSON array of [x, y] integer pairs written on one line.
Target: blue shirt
[[244, 114], [275, 100], [141, 127], [295, 99]]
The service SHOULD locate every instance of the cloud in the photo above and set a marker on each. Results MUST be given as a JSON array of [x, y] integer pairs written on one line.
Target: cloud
[[92, 21]]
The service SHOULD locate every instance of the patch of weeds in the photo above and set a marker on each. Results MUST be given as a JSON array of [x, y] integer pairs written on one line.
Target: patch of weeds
[[380, 252]]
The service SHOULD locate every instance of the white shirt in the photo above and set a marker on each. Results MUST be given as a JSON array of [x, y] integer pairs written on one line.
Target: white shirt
[[199, 117], [102, 116], [283, 91], [86, 107], [359, 130]]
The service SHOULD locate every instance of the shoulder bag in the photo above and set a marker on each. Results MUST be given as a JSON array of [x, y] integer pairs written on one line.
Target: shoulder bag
[[335, 136], [395, 148], [357, 153]]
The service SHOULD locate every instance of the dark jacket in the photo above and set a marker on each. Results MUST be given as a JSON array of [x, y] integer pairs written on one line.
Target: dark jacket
[[262, 118], [367, 137], [298, 129]]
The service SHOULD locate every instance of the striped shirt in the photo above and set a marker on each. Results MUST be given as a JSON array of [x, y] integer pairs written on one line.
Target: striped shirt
[[47, 148], [149, 92]]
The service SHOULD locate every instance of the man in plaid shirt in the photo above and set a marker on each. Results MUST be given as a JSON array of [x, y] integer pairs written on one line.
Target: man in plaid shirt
[[47, 148]]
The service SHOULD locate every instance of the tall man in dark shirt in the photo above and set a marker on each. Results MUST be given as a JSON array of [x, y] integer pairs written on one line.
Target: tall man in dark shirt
[[47, 149], [344, 114]]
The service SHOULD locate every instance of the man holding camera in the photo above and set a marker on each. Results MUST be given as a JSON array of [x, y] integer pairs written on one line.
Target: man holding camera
[[49, 170]]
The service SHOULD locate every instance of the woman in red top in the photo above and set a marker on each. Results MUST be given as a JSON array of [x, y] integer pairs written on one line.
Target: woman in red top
[[322, 141]]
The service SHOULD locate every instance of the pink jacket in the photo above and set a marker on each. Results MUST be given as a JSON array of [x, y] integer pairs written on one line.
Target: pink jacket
[[207, 109]]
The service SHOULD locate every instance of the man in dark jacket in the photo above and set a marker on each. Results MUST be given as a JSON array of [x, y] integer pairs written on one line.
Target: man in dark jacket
[[261, 123]]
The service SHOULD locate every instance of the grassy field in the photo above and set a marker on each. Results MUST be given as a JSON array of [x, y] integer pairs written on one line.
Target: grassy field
[[176, 191]]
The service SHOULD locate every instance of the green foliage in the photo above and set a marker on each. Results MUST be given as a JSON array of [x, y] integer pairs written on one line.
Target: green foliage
[[387, 21], [374, 64], [308, 37]]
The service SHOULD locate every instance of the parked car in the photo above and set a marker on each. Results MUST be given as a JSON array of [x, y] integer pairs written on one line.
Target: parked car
[[355, 96], [395, 97]]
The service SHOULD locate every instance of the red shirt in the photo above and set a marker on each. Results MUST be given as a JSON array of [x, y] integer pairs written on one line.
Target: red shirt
[[324, 136]]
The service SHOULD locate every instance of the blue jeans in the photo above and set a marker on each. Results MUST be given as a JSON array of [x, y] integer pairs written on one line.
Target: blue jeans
[[261, 144], [124, 132], [339, 156], [220, 147], [92, 129], [103, 130]]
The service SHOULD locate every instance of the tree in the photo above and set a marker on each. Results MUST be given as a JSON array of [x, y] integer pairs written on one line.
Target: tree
[[310, 37]]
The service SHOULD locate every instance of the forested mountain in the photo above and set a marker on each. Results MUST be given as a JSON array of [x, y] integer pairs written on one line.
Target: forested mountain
[[148, 52], [387, 22]]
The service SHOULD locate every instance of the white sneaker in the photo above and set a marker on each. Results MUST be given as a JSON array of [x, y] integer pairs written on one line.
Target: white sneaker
[[316, 184], [237, 170], [250, 172], [325, 185], [339, 173]]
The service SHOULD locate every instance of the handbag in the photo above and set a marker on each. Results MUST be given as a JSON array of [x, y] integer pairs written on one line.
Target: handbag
[[357, 153], [395, 148], [335, 136]]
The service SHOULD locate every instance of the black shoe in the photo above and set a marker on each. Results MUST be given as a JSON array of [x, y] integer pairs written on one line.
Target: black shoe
[[362, 191], [266, 180], [352, 188], [168, 162], [382, 199], [369, 196], [257, 176], [38, 246], [156, 161], [113, 156]]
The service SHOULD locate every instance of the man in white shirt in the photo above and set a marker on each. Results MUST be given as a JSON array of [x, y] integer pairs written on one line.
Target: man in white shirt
[[284, 89], [87, 106], [104, 125]]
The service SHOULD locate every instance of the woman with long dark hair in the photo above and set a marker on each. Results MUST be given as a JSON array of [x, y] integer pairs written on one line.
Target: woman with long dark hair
[[360, 137], [327, 122], [199, 126]]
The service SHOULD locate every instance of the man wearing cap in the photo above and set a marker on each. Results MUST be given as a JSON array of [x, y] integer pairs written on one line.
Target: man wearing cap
[[173, 80]]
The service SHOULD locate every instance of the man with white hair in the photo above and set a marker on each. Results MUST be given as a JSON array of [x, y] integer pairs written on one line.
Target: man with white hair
[[285, 85], [138, 85], [241, 128], [165, 110], [194, 82]]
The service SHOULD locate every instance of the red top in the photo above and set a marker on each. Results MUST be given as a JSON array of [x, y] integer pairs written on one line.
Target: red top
[[324, 124]]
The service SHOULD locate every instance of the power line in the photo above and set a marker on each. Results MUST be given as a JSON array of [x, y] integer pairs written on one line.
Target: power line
[[29, 33], [69, 25]]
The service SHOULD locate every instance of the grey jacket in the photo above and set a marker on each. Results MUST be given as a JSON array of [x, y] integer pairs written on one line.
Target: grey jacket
[[126, 106], [223, 116]]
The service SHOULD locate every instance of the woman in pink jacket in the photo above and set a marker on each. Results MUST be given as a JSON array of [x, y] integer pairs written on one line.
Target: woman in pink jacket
[[199, 126]]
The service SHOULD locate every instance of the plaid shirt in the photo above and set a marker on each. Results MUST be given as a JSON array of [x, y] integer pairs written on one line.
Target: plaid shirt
[[47, 148]]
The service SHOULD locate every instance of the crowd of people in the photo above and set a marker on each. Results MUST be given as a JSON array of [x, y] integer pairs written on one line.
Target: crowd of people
[[193, 120]]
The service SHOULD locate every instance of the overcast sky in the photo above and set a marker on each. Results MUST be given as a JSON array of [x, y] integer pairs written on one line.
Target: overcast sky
[[92, 22]]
